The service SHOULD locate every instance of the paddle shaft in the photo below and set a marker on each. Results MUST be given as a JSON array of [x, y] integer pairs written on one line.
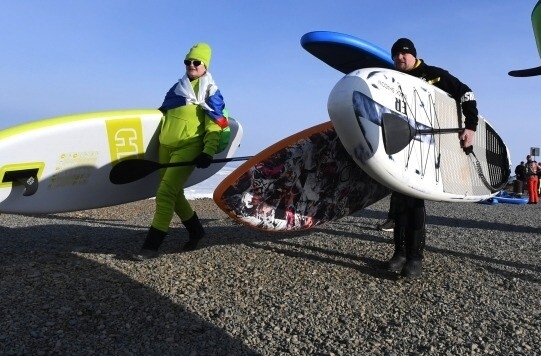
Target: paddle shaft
[[134, 169], [190, 163], [433, 131]]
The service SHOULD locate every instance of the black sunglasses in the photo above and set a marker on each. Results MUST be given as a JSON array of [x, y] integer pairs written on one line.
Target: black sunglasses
[[191, 62]]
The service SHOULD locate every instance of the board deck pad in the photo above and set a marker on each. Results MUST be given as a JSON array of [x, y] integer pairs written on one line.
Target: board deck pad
[[345, 53], [63, 164], [300, 182]]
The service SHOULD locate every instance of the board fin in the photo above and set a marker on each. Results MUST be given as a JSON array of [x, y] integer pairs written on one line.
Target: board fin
[[530, 72], [26, 177]]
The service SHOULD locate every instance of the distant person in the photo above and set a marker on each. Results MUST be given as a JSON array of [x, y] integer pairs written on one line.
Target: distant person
[[193, 119], [520, 178], [531, 173], [538, 177], [409, 213]]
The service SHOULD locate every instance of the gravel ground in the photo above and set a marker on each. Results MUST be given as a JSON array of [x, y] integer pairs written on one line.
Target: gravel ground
[[68, 287]]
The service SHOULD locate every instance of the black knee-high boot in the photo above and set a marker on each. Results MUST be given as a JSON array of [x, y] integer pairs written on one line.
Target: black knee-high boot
[[151, 245], [196, 232], [415, 245], [399, 256]]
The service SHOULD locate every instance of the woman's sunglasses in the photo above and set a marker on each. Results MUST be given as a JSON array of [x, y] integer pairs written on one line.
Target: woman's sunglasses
[[189, 62]]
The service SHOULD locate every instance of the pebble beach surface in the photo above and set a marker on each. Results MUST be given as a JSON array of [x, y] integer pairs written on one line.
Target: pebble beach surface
[[68, 287]]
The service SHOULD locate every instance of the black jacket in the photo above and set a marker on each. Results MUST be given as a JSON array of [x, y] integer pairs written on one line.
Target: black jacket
[[520, 172], [459, 91]]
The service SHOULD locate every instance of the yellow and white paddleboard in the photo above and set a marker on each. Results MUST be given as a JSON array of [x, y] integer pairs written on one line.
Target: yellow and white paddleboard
[[63, 164]]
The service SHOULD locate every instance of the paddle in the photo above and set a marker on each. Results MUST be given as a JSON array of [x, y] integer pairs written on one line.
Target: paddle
[[397, 133], [131, 170]]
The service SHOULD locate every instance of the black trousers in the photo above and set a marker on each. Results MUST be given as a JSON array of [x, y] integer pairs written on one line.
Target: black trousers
[[407, 212]]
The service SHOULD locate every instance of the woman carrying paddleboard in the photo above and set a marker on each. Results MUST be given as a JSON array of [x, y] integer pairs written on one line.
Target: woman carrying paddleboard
[[191, 127], [409, 213]]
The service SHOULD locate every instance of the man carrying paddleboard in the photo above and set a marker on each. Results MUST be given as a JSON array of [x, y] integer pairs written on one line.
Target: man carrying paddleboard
[[409, 213], [193, 120]]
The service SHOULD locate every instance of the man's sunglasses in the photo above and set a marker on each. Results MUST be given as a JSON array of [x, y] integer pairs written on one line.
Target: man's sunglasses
[[189, 62]]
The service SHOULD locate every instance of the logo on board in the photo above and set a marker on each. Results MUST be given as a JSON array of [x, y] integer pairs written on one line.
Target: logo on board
[[125, 137]]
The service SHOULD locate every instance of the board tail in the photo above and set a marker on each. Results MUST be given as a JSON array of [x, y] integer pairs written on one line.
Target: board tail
[[497, 157]]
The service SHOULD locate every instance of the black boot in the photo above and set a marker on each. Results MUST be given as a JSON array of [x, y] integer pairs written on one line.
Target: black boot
[[415, 245], [151, 245], [399, 256], [196, 231]]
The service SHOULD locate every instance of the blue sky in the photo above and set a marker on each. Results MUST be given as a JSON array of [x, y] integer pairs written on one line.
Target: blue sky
[[63, 57]]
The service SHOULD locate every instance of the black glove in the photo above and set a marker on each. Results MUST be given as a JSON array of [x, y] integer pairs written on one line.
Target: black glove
[[203, 160]]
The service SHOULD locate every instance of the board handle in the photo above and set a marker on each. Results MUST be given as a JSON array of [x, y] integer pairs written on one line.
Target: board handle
[[26, 177]]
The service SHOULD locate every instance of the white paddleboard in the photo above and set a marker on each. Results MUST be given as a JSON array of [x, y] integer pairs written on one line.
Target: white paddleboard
[[71, 158], [432, 165]]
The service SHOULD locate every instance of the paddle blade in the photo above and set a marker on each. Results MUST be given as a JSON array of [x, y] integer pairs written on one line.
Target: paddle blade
[[397, 133], [130, 170], [530, 72]]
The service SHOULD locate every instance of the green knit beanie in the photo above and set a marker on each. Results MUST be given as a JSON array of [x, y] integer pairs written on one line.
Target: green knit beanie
[[200, 51]]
